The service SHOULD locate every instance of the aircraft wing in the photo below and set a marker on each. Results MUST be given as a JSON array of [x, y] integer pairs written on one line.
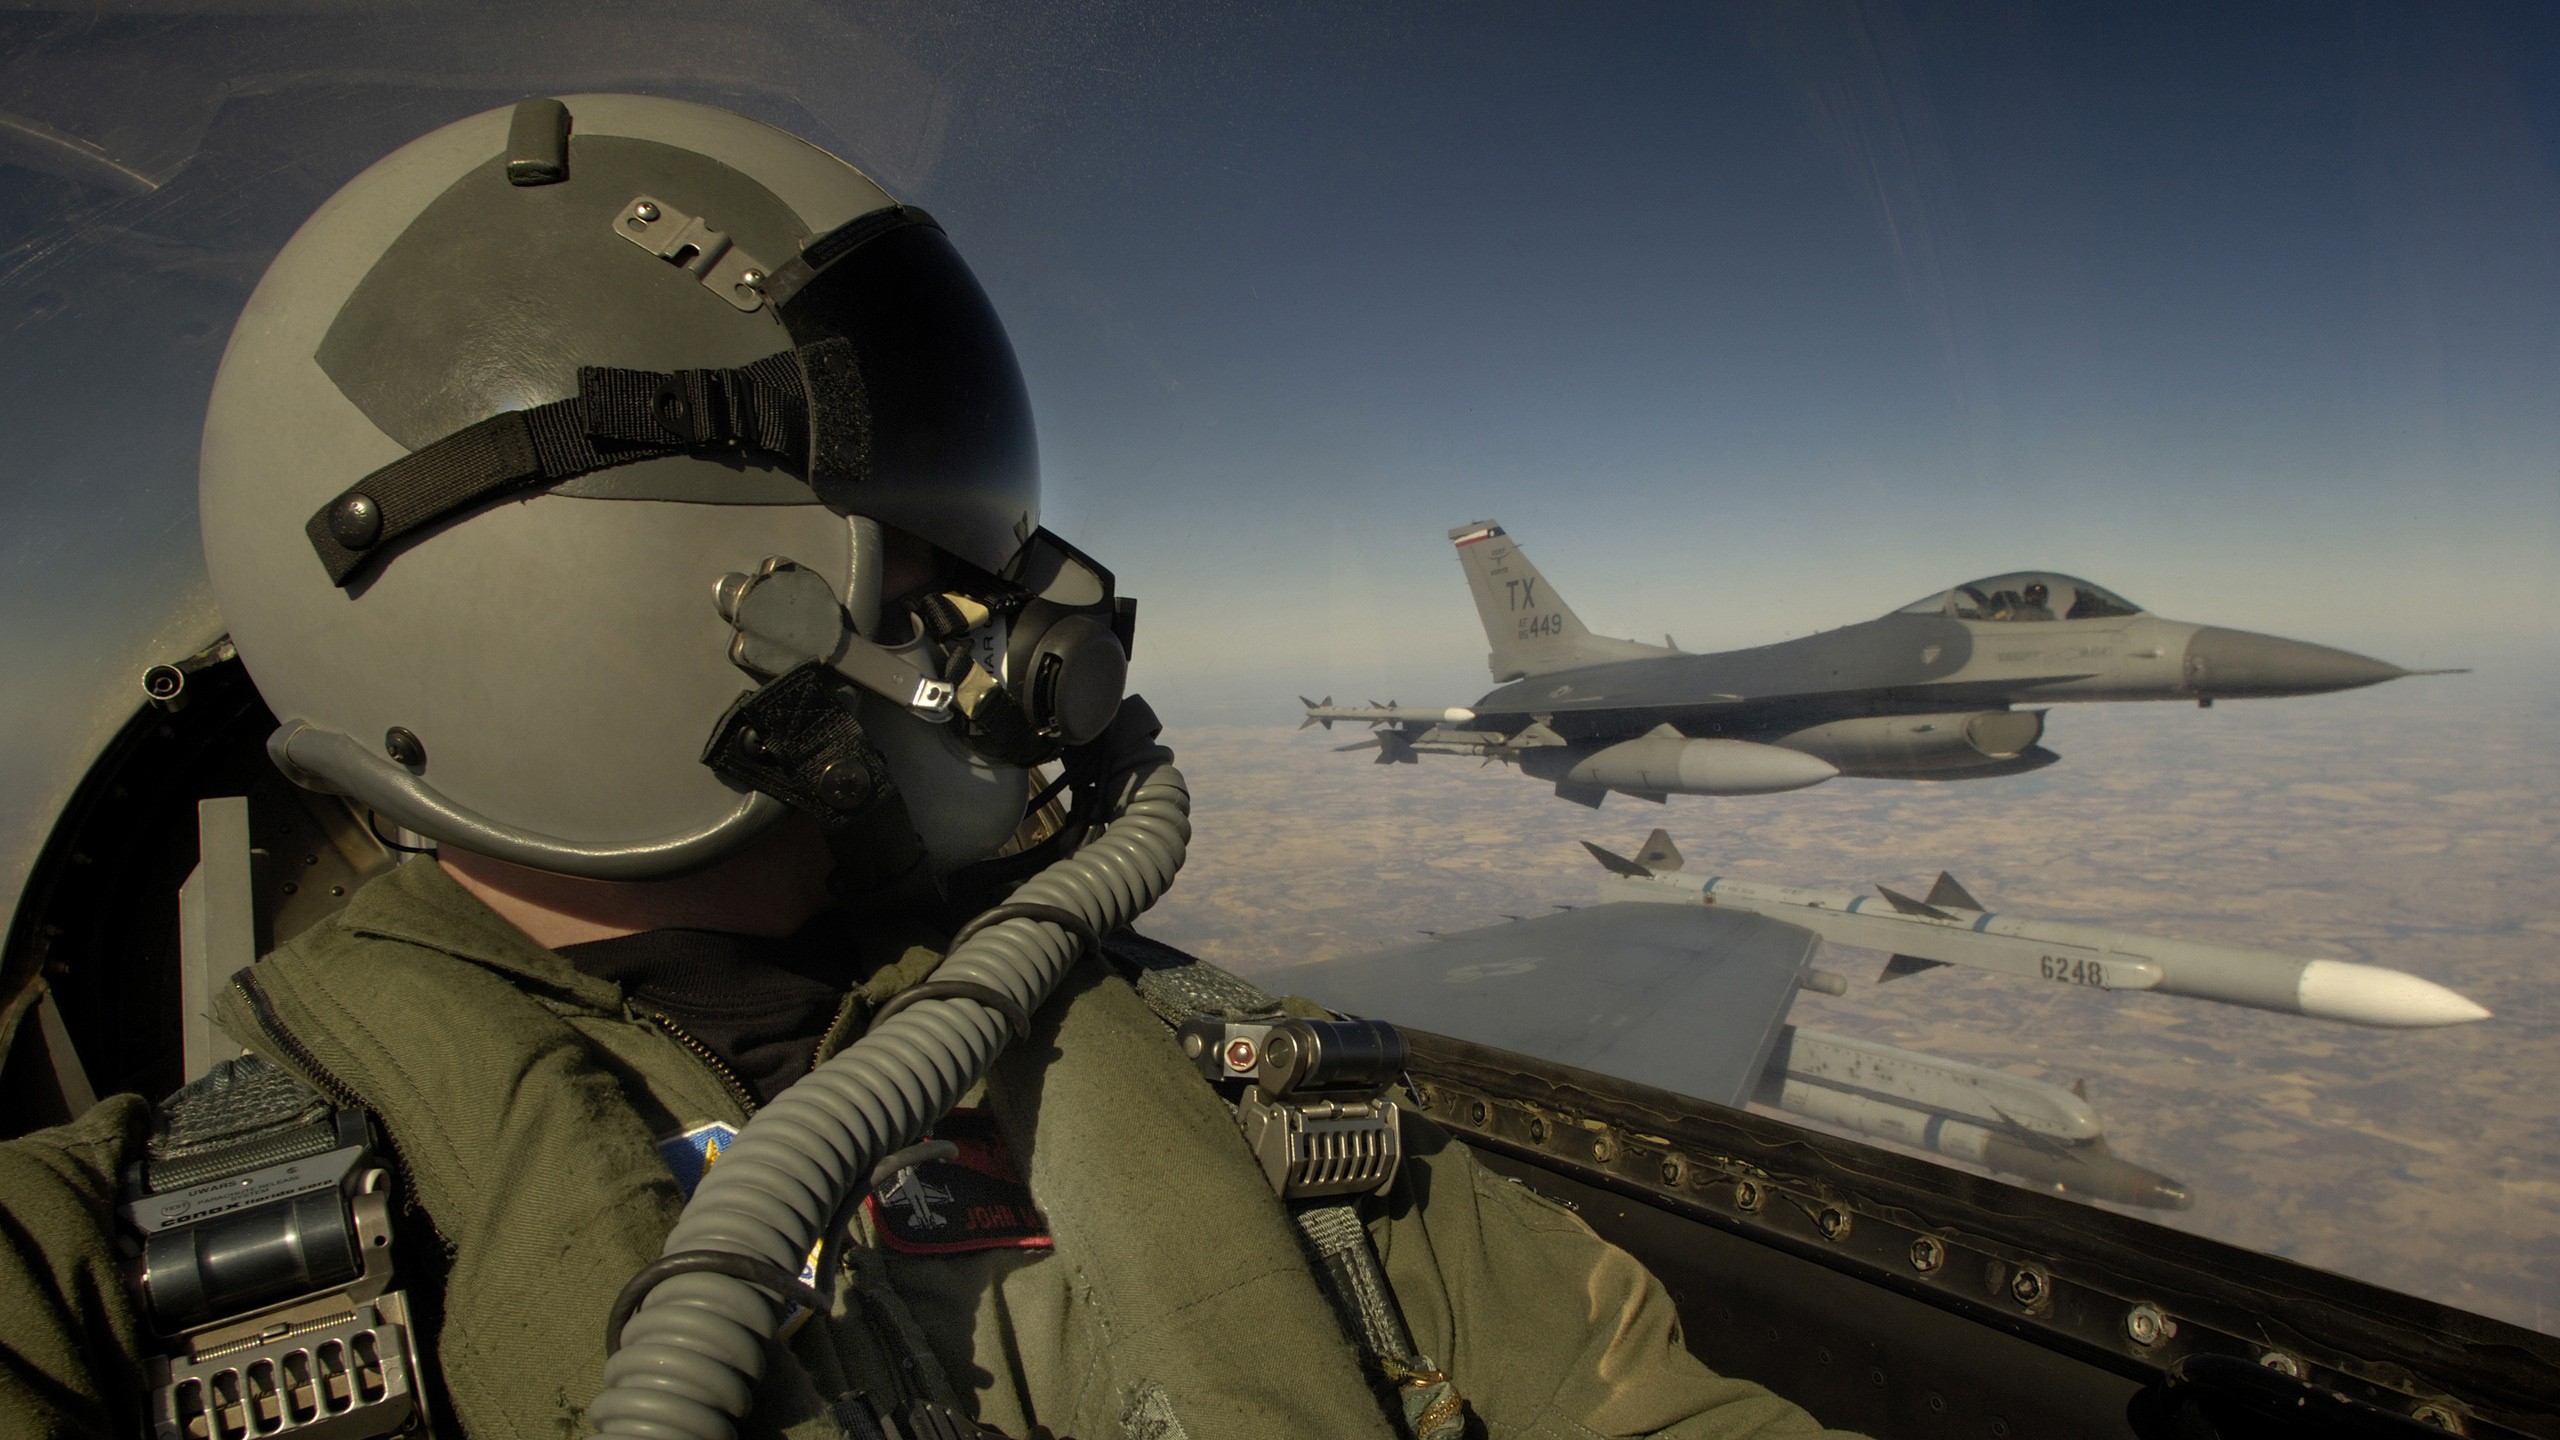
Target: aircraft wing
[[1690, 1000]]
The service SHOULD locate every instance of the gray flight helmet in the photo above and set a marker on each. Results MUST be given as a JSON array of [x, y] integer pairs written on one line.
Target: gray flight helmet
[[528, 662]]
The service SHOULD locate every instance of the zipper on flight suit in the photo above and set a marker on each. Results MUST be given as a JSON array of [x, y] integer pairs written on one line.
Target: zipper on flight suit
[[338, 1093], [827, 1038], [738, 1089]]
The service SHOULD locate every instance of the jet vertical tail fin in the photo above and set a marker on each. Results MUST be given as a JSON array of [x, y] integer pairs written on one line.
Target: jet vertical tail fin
[[1531, 629]]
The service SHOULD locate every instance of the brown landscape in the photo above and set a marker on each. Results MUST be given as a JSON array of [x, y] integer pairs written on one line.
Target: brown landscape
[[2416, 825]]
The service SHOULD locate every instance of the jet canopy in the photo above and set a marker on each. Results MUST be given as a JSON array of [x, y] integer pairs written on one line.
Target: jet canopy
[[2025, 595]]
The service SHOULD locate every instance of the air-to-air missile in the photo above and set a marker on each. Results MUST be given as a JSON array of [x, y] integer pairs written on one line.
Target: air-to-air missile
[[1937, 690], [1950, 927], [1694, 999], [2036, 1131]]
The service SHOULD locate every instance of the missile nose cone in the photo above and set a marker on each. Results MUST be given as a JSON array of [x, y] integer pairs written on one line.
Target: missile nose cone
[[2373, 995], [2239, 663]]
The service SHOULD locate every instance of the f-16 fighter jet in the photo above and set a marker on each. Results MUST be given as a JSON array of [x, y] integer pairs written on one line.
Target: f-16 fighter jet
[[1931, 691]]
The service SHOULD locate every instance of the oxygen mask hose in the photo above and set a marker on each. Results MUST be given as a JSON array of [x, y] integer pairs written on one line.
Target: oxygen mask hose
[[692, 1352]]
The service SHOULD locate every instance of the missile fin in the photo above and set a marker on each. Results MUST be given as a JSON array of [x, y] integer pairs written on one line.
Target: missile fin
[[1614, 863], [1951, 895], [1909, 906], [1901, 965], [1659, 852], [1588, 796], [2041, 1143], [1656, 796]]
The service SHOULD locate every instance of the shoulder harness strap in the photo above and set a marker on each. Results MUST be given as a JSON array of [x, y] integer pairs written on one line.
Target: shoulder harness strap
[[1181, 988]]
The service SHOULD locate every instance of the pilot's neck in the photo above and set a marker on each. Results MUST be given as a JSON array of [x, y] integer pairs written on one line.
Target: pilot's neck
[[773, 889]]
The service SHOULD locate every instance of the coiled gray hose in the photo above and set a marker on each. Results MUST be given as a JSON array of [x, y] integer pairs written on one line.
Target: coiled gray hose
[[691, 1356]]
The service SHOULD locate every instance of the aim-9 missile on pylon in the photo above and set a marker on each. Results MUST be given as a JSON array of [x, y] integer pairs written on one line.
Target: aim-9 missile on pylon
[[1950, 927]]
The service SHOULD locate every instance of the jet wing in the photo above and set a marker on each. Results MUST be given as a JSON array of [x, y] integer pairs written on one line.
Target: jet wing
[[1686, 999]]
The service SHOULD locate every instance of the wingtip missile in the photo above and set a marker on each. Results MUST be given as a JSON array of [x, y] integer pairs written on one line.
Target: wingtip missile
[[2376, 995], [1324, 712], [1951, 928]]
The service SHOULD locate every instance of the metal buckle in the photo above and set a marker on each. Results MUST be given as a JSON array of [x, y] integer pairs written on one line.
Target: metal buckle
[[1322, 1146], [689, 243], [353, 1376]]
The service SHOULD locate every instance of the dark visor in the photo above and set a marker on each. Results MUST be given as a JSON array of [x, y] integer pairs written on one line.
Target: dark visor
[[948, 452]]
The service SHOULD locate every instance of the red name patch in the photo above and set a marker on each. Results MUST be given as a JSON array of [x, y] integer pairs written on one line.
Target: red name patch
[[973, 1201]]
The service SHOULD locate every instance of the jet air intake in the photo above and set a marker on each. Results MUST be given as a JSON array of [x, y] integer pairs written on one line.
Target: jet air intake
[[1671, 764], [1900, 747]]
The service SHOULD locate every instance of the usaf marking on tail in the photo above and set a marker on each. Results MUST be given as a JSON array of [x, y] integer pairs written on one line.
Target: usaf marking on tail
[[1929, 692]]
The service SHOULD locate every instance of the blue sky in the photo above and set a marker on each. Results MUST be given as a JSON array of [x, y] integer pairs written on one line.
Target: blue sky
[[1755, 320], [1746, 319]]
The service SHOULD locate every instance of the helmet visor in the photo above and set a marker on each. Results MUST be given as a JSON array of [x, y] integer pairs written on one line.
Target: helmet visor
[[932, 432]]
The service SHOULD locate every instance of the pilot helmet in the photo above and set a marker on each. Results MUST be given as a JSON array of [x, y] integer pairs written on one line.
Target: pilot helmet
[[552, 472]]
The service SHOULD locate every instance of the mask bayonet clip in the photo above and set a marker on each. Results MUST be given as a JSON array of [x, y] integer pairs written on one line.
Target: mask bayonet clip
[[786, 614]]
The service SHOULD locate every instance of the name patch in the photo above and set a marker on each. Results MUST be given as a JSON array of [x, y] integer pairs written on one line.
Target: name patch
[[973, 1201]]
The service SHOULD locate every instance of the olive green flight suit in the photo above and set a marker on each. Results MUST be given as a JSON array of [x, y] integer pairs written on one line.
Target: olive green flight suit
[[525, 1101]]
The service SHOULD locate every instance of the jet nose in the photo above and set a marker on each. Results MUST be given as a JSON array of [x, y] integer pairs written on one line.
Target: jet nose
[[2238, 663]]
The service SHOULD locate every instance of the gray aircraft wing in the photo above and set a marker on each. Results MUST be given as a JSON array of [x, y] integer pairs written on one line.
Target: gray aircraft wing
[[1686, 998]]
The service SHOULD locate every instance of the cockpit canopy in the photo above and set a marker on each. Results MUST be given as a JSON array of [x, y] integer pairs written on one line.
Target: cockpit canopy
[[2025, 595]]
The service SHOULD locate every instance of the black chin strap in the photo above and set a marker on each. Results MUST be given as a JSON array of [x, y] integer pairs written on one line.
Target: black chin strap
[[618, 416]]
